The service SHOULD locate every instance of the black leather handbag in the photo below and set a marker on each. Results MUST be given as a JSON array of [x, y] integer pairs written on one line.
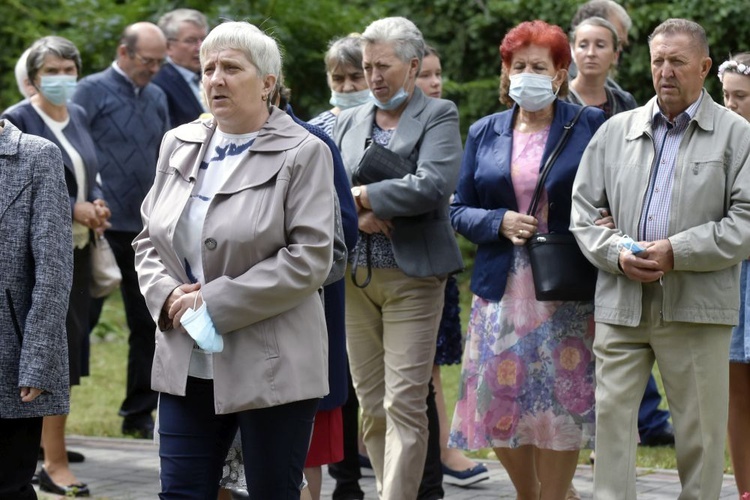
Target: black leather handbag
[[560, 270], [378, 163]]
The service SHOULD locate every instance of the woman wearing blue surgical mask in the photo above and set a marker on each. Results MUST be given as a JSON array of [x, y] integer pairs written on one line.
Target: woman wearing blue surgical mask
[[53, 65], [346, 79], [527, 381], [406, 247]]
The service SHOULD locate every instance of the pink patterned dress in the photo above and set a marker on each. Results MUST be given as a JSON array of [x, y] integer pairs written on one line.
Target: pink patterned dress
[[528, 369]]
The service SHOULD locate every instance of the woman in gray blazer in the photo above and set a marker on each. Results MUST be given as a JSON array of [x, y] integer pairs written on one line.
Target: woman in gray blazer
[[404, 228], [36, 269]]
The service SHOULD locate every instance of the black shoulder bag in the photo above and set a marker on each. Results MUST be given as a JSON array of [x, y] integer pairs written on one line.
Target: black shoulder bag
[[560, 270], [378, 163]]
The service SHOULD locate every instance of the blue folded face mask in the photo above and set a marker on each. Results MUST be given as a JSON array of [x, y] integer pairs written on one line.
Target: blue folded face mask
[[201, 328], [346, 100], [57, 89]]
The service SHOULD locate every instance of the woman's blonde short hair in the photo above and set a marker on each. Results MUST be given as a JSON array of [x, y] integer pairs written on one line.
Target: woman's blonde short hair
[[260, 49]]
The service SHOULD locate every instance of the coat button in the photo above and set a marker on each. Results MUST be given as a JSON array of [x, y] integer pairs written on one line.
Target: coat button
[[552, 206], [210, 243]]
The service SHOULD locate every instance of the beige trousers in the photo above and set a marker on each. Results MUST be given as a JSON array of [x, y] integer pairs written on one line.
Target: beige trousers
[[391, 331], [694, 363]]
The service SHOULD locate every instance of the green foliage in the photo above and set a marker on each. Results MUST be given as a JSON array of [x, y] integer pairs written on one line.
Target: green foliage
[[466, 32], [95, 402]]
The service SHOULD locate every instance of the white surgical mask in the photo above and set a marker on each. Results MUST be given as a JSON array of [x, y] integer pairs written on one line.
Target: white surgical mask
[[531, 91], [346, 100], [201, 328], [395, 101], [57, 89]]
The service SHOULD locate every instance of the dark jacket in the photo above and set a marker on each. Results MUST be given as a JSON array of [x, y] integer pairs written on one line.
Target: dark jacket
[[618, 100], [333, 294], [183, 106], [485, 188], [127, 129], [36, 270], [23, 116]]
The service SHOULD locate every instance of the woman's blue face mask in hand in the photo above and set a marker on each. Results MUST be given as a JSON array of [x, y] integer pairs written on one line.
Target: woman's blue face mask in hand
[[201, 328]]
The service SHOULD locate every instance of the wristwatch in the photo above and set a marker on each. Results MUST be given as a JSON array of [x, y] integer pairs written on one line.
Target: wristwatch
[[357, 193]]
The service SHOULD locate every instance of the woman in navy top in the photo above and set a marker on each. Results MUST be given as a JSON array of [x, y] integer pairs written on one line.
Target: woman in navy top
[[53, 65]]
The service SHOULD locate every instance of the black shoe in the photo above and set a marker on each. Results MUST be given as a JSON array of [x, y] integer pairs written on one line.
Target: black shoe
[[347, 490], [139, 426], [73, 456], [46, 484], [665, 437]]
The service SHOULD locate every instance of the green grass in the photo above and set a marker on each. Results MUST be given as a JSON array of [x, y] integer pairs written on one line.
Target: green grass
[[95, 402]]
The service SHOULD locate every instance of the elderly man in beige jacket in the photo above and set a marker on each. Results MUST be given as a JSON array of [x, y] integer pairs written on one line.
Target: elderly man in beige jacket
[[675, 175]]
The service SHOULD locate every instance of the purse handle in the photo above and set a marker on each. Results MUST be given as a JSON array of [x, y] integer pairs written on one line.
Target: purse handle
[[550, 160], [355, 263]]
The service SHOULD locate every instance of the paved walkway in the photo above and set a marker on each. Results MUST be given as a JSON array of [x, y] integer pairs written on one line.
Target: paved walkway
[[127, 469]]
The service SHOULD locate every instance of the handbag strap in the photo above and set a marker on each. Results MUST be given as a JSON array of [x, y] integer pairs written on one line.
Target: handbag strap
[[550, 160], [355, 264]]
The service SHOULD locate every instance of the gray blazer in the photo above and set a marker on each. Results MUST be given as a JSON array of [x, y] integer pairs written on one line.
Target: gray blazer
[[36, 272], [427, 133]]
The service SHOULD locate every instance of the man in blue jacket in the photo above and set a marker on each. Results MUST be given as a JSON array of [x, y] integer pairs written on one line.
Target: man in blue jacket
[[180, 78]]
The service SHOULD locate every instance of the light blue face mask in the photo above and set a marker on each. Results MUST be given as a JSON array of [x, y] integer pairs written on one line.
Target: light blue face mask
[[57, 89], [531, 91], [395, 101], [346, 100], [201, 328]]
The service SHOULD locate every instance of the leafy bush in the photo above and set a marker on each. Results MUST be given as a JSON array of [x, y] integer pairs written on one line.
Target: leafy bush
[[467, 34]]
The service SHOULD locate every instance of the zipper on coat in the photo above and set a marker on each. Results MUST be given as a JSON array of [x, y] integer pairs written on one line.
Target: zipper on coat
[[13, 317]]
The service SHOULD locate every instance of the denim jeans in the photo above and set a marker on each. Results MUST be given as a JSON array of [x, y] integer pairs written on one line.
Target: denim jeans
[[194, 442]]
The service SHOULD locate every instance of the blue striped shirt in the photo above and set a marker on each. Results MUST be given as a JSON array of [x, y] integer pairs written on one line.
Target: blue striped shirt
[[654, 223], [325, 120]]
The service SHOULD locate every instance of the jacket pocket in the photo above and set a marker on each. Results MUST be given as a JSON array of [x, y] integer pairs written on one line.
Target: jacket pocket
[[270, 342], [13, 316]]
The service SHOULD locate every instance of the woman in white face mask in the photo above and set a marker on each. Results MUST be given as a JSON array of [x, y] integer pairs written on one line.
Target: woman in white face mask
[[406, 247], [346, 79], [53, 65], [527, 382]]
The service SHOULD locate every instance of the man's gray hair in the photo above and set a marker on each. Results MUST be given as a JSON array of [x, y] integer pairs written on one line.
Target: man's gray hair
[[601, 8], [676, 26], [403, 34], [600, 22], [50, 45], [171, 21], [345, 51], [260, 49]]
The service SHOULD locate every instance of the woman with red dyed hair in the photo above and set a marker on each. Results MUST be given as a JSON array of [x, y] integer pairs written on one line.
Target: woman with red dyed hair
[[527, 388]]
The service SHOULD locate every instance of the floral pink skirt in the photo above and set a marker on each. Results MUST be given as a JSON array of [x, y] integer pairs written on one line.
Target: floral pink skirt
[[528, 371]]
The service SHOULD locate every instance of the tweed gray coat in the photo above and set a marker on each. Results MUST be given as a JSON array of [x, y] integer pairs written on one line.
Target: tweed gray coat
[[36, 269]]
